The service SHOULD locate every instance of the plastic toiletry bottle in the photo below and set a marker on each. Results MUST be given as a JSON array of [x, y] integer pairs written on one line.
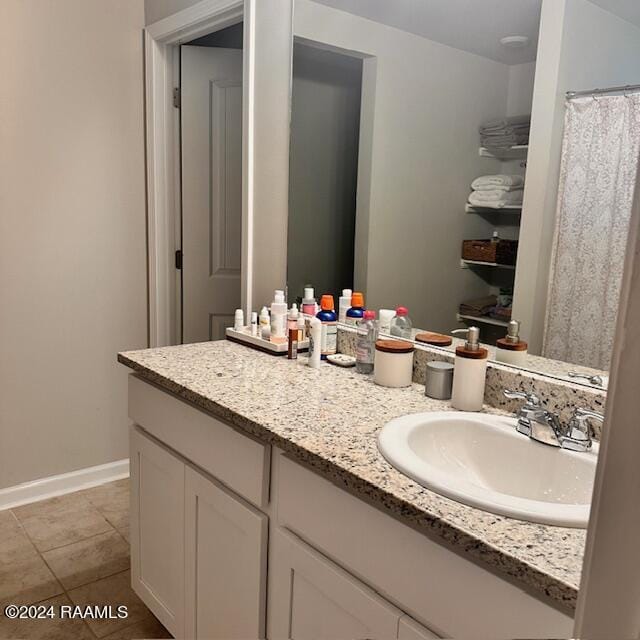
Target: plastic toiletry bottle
[[265, 326], [385, 318], [511, 349], [278, 318], [401, 324], [329, 319], [470, 372], [344, 304], [315, 343], [292, 318], [238, 320], [302, 333], [356, 312], [254, 323], [292, 347], [309, 305], [366, 343]]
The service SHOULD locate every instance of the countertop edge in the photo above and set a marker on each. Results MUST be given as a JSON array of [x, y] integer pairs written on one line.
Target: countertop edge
[[559, 594]]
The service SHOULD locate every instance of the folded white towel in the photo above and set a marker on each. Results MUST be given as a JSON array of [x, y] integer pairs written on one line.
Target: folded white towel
[[491, 182], [496, 199]]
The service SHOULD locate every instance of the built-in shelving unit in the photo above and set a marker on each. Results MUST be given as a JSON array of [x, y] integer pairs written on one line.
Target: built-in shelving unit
[[516, 152], [482, 320], [465, 264], [513, 209], [494, 274]]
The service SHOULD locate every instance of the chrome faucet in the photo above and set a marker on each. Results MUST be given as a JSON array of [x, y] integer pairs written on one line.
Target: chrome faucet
[[535, 421], [596, 381], [578, 437], [540, 424]]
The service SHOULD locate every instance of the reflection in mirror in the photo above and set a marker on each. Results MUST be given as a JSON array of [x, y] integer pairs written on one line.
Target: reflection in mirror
[[424, 170]]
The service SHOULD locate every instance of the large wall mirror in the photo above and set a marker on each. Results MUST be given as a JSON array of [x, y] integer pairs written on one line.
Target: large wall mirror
[[437, 163]]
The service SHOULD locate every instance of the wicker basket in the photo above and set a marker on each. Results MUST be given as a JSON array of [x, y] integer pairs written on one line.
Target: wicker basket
[[500, 252]]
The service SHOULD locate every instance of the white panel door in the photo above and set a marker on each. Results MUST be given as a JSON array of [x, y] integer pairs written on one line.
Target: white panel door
[[310, 598], [226, 563], [211, 121], [157, 530]]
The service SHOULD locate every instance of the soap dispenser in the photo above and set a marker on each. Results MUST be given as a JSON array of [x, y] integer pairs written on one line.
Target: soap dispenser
[[511, 349], [470, 372]]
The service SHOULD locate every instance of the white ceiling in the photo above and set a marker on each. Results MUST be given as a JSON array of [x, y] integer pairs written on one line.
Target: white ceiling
[[628, 10], [471, 25]]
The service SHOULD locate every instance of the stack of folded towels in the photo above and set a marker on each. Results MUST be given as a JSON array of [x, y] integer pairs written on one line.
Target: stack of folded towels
[[497, 192], [479, 307], [506, 132]]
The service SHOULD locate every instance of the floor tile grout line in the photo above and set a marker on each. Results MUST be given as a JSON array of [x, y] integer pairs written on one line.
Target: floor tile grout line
[[66, 592]]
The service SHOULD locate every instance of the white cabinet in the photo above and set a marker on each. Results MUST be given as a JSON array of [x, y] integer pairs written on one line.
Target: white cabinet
[[310, 598], [225, 559], [157, 530]]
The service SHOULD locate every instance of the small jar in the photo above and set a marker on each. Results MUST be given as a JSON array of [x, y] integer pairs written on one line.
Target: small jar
[[393, 363]]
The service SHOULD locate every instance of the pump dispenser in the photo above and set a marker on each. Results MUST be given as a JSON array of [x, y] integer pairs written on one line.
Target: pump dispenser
[[469, 376], [511, 349]]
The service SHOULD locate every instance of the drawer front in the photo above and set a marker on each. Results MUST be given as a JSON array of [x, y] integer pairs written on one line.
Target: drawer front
[[445, 592], [237, 460]]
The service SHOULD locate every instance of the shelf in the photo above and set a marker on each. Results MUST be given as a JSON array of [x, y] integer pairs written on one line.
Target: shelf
[[482, 320], [511, 208], [518, 152], [465, 264]]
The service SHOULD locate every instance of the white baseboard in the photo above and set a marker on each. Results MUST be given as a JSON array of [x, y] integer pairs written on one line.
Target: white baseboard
[[64, 483]]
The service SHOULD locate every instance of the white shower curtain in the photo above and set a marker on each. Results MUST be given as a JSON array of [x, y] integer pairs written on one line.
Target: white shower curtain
[[597, 180]]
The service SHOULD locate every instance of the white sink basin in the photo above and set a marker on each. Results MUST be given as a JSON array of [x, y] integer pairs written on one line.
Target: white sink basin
[[480, 460]]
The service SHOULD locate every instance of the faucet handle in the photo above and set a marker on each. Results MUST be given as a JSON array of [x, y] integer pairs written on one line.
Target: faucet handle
[[596, 381], [531, 398], [578, 436]]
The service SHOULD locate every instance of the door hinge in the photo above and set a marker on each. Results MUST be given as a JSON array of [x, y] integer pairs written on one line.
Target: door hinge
[[179, 259], [176, 97]]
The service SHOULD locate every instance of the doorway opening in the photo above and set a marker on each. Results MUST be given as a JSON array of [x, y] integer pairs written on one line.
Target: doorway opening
[[323, 169]]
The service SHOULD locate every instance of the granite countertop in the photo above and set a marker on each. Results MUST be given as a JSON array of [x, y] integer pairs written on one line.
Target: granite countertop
[[329, 418]]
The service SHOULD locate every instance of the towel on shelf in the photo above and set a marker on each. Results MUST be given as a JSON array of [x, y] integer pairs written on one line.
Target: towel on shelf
[[504, 141], [506, 182], [478, 307], [506, 132], [504, 123], [496, 198]]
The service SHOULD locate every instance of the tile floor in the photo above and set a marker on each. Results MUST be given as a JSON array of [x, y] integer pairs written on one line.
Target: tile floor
[[73, 549]]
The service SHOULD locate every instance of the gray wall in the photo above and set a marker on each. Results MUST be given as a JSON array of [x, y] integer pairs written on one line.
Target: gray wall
[[323, 171], [155, 10], [72, 231]]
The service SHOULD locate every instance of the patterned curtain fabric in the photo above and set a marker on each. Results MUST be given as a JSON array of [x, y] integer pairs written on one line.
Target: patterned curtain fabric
[[597, 180]]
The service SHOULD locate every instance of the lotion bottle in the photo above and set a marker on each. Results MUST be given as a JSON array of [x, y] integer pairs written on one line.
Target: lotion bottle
[[511, 349], [329, 320], [344, 304], [470, 372], [309, 305], [315, 343], [278, 318]]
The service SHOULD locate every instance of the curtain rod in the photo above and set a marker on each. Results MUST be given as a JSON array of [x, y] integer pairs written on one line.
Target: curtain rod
[[598, 92]]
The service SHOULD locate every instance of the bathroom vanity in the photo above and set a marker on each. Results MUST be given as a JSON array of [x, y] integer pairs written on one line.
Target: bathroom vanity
[[261, 507]]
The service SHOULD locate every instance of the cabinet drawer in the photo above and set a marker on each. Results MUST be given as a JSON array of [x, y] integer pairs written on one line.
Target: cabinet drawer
[[444, 591], [237, 460]]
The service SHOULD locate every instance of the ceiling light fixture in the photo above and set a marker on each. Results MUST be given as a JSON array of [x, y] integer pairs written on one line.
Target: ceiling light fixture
[[514, 42]]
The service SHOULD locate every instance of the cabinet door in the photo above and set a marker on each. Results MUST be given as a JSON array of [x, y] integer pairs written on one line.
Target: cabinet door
[[157, 530], [226, 554], [409, 629], [310, 598]]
